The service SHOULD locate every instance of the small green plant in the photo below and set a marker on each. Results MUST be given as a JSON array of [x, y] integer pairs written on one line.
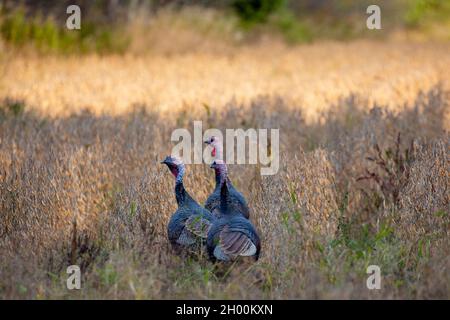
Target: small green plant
[[256, 11], [133, 210], [422, 11], [293, 30], [108, 275], [11, 107], [393, 168]]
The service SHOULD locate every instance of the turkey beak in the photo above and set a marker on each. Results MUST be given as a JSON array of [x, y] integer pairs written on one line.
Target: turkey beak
[[163, 162], [206, 141]]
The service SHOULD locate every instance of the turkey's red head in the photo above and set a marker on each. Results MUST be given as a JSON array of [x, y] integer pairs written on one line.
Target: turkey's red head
[[214, 142], [175, 165]]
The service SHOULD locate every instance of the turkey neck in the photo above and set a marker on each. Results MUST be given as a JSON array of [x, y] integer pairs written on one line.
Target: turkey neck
[[224, 184], [180, 193], [224, 198], [221, 175]]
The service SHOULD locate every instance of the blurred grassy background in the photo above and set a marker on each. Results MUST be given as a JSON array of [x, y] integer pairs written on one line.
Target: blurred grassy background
[[117, 26]]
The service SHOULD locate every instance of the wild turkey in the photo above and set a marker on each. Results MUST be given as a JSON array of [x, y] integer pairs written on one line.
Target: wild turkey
[[231, 235], [191, 222], [236, 198]]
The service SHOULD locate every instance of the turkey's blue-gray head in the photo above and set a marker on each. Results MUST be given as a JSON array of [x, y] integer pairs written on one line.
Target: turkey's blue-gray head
[[176, 166], [221, 168], [217, 147]]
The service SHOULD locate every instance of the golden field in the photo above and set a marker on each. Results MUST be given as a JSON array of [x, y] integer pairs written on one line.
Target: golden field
[[364, 176], [310, 77]]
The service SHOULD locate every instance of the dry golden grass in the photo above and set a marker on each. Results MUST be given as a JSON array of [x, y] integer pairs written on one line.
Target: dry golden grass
[[310, 77], [321, 224]]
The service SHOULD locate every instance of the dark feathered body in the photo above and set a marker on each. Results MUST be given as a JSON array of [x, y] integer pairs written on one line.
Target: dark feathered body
[[191, 222], [235, 223], [188, 208], [231, 235]]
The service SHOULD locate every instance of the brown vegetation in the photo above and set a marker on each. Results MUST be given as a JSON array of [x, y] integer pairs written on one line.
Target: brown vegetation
[[364, 176]]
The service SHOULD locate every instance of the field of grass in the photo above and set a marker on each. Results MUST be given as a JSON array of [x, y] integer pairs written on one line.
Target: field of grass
[[364, 177]]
